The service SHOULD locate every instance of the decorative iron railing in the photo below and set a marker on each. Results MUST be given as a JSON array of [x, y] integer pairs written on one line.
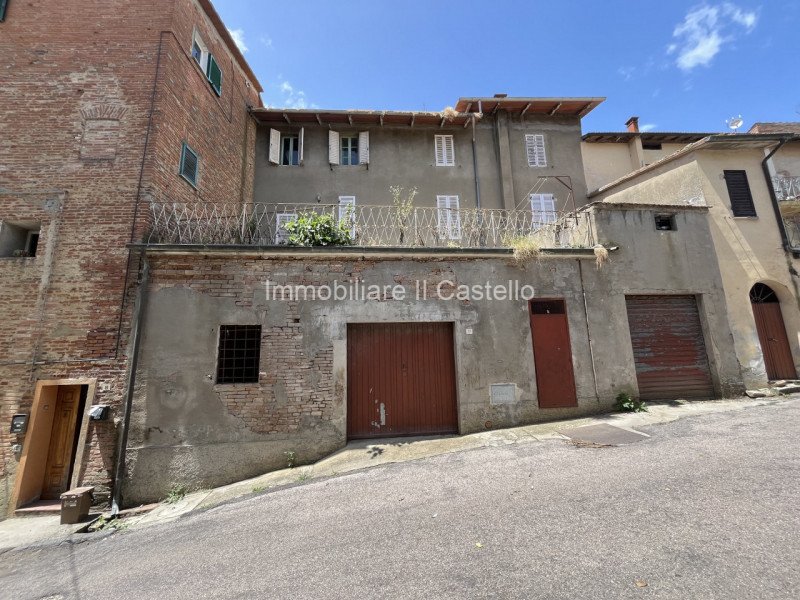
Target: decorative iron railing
[[383, 226], [787, 191], [786, 188]]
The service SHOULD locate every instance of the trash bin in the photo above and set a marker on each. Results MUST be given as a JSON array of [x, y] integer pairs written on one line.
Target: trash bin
[[75, 505]]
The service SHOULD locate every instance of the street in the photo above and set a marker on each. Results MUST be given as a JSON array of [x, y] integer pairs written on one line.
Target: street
[[707, 507]]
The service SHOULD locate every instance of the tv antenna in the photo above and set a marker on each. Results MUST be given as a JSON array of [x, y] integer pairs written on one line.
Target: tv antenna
[[734, 123]]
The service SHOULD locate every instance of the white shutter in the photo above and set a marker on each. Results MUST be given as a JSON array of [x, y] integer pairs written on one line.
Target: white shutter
[[543, 209], [281, 235], [347, 212], [300, 146], [333, 147], [274, 146], [445, 151], [363, 148], [448, 217], [534, 147]]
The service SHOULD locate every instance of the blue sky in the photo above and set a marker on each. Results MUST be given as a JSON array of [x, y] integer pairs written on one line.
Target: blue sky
[[679, 66]]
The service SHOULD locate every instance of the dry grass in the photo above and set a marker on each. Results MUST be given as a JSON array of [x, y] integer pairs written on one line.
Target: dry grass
[[601, 255], [525, 247], [790, 209]]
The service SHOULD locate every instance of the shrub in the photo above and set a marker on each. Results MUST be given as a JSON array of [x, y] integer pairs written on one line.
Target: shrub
[[626, 403], [525, 247], [311, 229]]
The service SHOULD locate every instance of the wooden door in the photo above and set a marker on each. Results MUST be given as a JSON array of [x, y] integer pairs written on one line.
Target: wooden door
[[774, 342], [669, 349], [552, 354], [400, 380], [62, 441]]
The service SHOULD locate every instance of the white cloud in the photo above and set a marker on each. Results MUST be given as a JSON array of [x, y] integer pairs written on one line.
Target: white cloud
[[238, 38], [647, 127], [266, 41], [626, 72], [705, 30], [293, 98]]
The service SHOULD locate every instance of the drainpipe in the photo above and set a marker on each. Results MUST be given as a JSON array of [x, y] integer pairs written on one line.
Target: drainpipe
[[773, 197], [588, 330], [138, 319], [475, 167]]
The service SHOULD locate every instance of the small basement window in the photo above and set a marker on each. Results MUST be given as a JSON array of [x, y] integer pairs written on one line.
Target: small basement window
[[19, 239], [665, 222], [190, 165], [239, 353]]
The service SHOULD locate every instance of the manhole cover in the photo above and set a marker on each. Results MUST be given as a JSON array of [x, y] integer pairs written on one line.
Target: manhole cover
[[603, 435]]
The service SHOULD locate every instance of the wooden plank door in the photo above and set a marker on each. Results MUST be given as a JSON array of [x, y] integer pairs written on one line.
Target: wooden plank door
[[400, 380], [774, 341], [552, 354], [62, 441]]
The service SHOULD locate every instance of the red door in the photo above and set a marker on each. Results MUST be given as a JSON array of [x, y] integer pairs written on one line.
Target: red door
[[552, 354], [774, 342], [400, 380]]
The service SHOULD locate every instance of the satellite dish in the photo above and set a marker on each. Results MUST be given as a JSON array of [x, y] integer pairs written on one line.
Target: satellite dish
[[734, 123]]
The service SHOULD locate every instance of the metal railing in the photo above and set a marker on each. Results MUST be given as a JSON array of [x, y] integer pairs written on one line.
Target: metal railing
[[786, 188], [211, 223]]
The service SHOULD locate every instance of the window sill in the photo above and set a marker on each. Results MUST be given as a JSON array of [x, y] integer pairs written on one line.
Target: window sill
[[755, 218]]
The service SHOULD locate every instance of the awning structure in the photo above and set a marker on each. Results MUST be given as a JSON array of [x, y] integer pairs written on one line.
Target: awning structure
[[655, 137], [571, 107]]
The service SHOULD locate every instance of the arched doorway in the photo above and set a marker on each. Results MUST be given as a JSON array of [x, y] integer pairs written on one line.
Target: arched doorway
[[772, 333]]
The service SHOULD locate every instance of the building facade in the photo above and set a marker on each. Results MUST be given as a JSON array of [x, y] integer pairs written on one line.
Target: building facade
[[150, 100]]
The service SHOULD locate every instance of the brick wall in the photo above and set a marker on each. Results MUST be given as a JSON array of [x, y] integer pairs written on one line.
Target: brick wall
[[75, 110]]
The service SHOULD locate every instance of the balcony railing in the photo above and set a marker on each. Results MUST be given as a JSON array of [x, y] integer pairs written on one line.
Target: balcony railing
[[378, 226], [786, 188]]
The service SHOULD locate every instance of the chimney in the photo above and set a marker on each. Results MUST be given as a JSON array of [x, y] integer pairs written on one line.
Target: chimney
[[633, 124]]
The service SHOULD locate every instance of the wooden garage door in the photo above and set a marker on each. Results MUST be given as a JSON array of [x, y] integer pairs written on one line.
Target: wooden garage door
[[668, 348], [400, 380]]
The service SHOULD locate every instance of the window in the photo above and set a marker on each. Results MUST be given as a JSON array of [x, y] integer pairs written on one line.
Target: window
[[281, 235], [348, 149], [239, 353], [739, 193], [286, 148], [534, 147], [19, 239], [445, 151], [665, 222], [543, 209], [448, 217], [3, 6], [651, 146], [208, 64], [347, 212], [190, 164]]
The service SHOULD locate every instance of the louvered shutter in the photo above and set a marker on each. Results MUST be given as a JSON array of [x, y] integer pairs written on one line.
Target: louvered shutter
[[363, 148], [333, 147], [454, 216], [445, 152], [543, 209], [534, 147], [274, 146], [189, 164], [347, 212], [739, 193], [214, 75], [448, 217], [300, 139], [281, 235]]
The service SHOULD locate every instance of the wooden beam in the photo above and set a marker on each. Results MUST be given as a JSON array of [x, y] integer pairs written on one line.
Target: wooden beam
[[469, 106], [442, 123], [383, 113], [413, 116], [319, 119], [468, 121], [554, 110], [524, 110], [350, 118], [285, 116], [585, 109]]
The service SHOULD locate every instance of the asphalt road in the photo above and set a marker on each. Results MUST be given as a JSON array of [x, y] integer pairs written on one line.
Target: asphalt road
[[708, 507]]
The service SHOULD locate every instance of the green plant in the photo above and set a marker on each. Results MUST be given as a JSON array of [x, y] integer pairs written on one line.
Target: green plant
[[176, 493], [626, 403], [403, 203], [257, 489], [304, 475], [291, 458], [312, 229], [525, 246]]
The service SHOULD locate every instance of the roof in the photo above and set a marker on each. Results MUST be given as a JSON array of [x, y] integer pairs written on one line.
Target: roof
[[223, 32], [720, 141], [786, 127], [573, 107], [670, 137], [294, 116]]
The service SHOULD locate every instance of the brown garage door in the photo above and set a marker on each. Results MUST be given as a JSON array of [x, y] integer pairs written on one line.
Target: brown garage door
[[400, 380], [668, 347]]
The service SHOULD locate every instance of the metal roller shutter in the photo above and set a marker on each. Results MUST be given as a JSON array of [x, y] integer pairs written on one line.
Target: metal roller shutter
[[668, 348]]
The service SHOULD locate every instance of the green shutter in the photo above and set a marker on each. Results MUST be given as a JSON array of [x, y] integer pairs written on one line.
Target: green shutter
[[214, 75], [3, 5], [190, 164]]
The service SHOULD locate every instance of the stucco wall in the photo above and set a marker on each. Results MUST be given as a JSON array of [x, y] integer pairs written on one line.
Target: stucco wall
[[405, 156]]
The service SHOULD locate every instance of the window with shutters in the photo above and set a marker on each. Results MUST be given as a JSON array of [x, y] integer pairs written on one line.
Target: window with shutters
[[348, 148], [290, 149], [739, 194], [207, 63], [286, 148], [535, 149], [445, 151], [239, 353], [3, 6], [543, 208], [347, 212], [448, 217], [281, 233], [349, 155], [190, 165]]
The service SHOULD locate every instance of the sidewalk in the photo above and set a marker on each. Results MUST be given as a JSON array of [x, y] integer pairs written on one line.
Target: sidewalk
[[361, 455]]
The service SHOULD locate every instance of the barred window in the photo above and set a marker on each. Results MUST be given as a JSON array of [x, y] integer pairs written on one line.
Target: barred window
[[239, 353]]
